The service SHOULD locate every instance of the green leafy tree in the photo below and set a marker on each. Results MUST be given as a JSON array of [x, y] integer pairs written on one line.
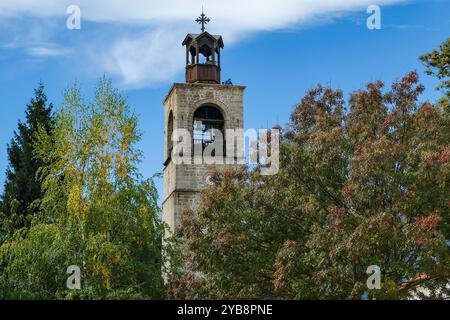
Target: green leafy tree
[[99, 213], [360, 184], [22, 188], [438, 64]]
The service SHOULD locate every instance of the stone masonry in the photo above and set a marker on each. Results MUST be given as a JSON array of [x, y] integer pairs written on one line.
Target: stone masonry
[[183, 183]]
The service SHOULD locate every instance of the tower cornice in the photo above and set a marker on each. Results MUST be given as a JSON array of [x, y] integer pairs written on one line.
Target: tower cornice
[[200, 85]]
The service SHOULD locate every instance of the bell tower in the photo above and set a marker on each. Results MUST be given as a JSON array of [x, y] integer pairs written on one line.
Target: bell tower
[[203, 107]]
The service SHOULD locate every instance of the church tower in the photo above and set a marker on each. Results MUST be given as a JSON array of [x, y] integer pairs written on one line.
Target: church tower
[[200, 105]]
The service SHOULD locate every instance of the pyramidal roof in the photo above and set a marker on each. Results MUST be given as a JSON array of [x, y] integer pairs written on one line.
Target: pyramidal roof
[[197, 36]]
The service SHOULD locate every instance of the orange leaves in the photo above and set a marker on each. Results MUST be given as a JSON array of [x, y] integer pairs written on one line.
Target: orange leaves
[[406, 91], [224, 241], [321, 108], [346, 193], [428, 223], [375, 158], [444, 157], [285, 264], [434, 159], [426, 228], [336, 216]]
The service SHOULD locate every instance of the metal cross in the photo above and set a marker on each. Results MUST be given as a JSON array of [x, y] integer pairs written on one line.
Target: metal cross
[[203, 19]]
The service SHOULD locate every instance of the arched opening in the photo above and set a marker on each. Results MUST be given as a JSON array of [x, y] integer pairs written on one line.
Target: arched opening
[[169, 135], [207, 120]]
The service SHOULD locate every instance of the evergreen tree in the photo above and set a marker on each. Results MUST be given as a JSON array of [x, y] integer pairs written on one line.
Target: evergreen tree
[[22, 187], [100, 213]]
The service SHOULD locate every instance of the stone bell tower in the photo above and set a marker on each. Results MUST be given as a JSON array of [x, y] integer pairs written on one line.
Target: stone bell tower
[[201, 105]]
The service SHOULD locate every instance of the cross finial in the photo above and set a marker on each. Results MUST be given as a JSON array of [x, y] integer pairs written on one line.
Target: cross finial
[[203, 19]]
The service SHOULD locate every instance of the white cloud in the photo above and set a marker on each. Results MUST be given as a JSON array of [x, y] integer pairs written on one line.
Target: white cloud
[[48, 51], [150, 55]]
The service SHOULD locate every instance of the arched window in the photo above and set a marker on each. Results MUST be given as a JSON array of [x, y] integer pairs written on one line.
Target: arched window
[[207, 118], [169, 135]]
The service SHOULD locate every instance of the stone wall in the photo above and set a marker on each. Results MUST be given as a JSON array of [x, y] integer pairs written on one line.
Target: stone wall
[[183, 183]]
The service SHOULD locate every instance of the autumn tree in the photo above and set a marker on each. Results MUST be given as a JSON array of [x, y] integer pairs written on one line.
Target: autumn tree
[[98, 211], [360, 184]]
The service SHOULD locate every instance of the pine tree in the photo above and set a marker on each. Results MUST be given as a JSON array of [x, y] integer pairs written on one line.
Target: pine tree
[[100, 213], [22, 187]]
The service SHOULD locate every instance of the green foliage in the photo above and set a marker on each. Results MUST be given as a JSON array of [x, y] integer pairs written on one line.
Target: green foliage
[[438, 64], [99, 213], [36, 264], [358, 186], [361, 183], [22, 188]]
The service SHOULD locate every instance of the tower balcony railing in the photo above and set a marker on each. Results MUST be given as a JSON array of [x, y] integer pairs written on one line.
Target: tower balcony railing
[[207, 73]]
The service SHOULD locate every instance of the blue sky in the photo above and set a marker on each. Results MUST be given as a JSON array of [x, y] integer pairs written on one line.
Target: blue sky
[[278, 51]]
